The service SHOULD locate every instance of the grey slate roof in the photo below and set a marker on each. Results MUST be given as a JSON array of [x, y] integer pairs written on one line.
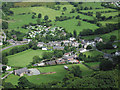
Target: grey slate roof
[[20, 71]]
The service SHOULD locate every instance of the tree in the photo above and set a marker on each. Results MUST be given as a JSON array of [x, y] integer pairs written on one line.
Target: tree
[[4, 60], [64, 8], [79, 23], [33, 16], [39, 15], [112, 38], [36, 59], [4, 68], [46, 17], [106, 65], [4, 25], [76, 71], [47, 55], [89, 47], [98, 15], [8, 85], [23, 82], [80, 45], [58, 53], [75, 33], [77, 17]]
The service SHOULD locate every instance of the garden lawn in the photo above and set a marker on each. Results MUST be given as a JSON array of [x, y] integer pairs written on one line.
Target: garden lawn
[[71, 25], [58, 76], [92, 53], [24, 58]]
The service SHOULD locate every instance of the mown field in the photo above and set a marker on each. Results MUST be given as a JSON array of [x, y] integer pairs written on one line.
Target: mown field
[[92, 53], [58, 76], [24, 58]]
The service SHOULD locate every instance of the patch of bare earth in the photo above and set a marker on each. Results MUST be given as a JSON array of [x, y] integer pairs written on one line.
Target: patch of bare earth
[[48, 73]]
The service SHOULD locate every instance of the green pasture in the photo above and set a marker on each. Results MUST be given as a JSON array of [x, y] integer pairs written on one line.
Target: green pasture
[[45, 78], [24, 58], [71, 25]]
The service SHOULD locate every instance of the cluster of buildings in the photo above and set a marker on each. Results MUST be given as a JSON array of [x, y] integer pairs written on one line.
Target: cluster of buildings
[[43, 31], [67, 58], [11, 41], [59, 45]]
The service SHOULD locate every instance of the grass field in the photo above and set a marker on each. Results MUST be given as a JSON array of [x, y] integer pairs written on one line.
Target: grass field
[[92, 53], [93, 65], [104, 36], [92, 4], [111, 21], [23, 58], [58, 76], [43, 10], [110, 14], [71, 25]]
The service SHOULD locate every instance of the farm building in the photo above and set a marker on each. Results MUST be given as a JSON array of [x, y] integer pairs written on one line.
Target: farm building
[[21, 72]]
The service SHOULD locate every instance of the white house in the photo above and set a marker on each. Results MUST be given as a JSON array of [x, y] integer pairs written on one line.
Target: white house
[[83, 50], [41, 64], [72, 39], [117, 53], [40, 44], [44, 48]]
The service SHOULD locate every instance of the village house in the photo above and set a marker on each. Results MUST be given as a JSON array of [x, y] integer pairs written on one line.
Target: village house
[[60, 61], [11, 41], [21, 72], [73, 61], [44, 48], [58, 48], [115, 46], [98, 39], [72, 39], [117, 53], [41, 64], [75, 44], [81, 50], [40, 44], [51, 63], [68, 54], [14, 36]]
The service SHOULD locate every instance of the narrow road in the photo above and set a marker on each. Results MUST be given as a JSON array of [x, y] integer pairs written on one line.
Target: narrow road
[[12, 46], [7, 75]]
